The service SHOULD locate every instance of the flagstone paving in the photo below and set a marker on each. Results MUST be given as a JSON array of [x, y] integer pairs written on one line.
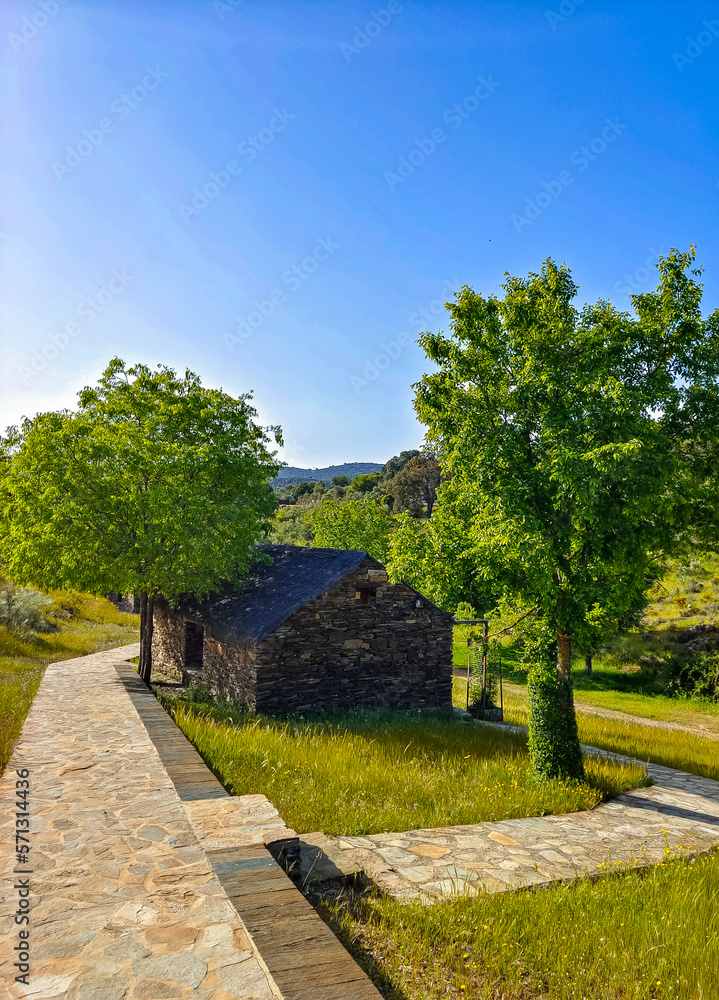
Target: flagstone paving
[[124, 902], [141, 864], [678, 814]]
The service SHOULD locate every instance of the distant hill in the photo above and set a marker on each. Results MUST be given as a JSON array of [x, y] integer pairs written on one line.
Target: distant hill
[[290, 476]]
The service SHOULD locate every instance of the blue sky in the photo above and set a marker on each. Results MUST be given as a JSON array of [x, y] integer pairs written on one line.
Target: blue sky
[[281, 195]]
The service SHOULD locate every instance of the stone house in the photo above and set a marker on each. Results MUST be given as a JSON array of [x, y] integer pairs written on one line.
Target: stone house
[[311, 630], [125, 602]]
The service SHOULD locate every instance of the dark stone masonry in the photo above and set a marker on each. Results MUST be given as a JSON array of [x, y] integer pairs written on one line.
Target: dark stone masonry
[[315, 630]]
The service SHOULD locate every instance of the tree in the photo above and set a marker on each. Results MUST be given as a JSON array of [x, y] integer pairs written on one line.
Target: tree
[[698, 447], [341, 480], [397, 463], [559, 429], [292, 526], [352, 524], [629, 616], [365, 483], [155, 485], [437, 557], [414, 488]]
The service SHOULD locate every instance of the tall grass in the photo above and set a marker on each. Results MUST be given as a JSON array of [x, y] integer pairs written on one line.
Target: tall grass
[[83, 624], [684, 751], [384, 771], [639, 936]]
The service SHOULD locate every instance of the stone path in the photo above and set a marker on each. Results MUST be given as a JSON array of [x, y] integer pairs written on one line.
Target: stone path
[[129, 867], [679, 813]]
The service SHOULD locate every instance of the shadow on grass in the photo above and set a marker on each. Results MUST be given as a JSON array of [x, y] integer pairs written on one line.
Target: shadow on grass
[[599, 680]]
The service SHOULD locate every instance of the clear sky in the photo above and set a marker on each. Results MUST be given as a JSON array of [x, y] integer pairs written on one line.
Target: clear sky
[[280, 194]]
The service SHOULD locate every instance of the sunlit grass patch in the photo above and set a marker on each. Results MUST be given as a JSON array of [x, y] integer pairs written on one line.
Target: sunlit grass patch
[[384, 771], [645, 936], [687, 711]]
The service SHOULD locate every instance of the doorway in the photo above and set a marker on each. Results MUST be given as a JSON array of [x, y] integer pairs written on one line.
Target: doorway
[[194, 641]]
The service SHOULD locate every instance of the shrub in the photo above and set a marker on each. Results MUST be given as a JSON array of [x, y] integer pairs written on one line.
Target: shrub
[[628, 649], [696, 677], [22, 610]]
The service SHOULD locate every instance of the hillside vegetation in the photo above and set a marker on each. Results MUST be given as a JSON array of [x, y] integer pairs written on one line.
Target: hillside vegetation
[[291, 476]]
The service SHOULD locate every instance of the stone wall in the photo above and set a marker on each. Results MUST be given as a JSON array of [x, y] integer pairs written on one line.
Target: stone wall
[[168, 642], [334, 653], [230, 671], [337, 654]]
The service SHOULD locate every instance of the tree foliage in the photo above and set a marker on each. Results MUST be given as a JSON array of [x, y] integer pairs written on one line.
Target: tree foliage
[[394, 465], [155, 485], [414, 488], [438, 557], [365, 483], [352, 524], [560, 429]]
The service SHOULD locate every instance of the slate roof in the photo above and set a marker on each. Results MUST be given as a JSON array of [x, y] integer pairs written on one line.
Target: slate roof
[[249, 613]]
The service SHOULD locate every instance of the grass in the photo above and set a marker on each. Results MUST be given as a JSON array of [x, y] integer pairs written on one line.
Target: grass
[[686, 711], [684, 751], [619, 689], [688, 593], [639, 936], [369, 772], [84, 624]]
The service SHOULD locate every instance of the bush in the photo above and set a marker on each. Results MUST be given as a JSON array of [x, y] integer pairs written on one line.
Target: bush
[[22, 610], [696, 677]]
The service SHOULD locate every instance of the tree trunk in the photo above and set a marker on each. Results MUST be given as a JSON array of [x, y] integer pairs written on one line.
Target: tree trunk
[[588, 663], [564, 659], [147, 608], [553, 738]]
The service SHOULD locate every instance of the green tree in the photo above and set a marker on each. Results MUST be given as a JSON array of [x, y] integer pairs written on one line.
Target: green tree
[[365, 483], [438, 557], [559, 428], [155, 485], [292, 526], [414, 488], [352, 524], [395, 464]]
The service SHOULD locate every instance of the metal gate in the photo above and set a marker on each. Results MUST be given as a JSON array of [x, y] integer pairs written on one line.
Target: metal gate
[[484, 696]]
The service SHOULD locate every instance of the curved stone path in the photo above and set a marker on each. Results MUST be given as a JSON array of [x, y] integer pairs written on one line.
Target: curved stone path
[[678, 814]]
